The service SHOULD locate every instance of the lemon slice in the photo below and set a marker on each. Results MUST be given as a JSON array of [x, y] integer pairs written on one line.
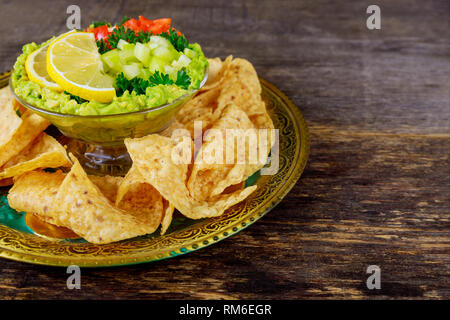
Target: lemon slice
[[36, 67], [73, 62]]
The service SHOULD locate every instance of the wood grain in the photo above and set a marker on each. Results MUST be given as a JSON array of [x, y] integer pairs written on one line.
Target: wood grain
[[376, 189]]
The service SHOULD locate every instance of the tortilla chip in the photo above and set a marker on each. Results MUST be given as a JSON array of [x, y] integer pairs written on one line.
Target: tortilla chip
[[242, 87], [9, 124], [199, 108], [5, 92], [108, 185], [217, 68], [43, 152], [152, 156], [35, 192], [74, 202], [19, 137], [211, 174], [168, 215], [6, 99], [85, 210], [140, 199], [236, 82]]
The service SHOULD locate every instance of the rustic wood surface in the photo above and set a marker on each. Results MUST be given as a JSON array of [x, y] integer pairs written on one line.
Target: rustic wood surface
[[376, 188]]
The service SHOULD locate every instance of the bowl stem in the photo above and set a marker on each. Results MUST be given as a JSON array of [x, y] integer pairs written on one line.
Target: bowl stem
[[101, 160]]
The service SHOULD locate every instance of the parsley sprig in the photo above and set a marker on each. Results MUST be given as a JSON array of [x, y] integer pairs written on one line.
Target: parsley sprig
[[178, 41], [76, 98], [139, 85], [102, 46]]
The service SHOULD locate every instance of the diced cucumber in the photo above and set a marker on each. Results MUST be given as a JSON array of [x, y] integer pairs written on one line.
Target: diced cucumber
[[160, 41], [165, 53], [142, 52], [131, 71], [157, 64], [112, 60], [137, 64], [121, 43], [127, 56], [182, 62], [128, 46], [152, 46]]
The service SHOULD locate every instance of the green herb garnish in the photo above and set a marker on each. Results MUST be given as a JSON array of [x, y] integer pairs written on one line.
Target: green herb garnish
[[139, 85], [178, 41], [102, 46], [183, 79], [160, 78], [121, 33], [76, 98]]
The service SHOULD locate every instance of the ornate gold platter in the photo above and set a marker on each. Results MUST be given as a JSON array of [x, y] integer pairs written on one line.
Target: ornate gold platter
[[21, 243]]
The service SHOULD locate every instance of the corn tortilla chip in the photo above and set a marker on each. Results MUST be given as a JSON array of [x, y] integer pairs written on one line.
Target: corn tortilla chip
[[9, 124], [30, 127], [152, 155], [62, 200], [35, 192], [200, 108], [140, 199], [217, 68], [168, 215], [237, 82], [241, 86], [84, 209], [5, 93], [43, 152], [108, 185], [211, 175]]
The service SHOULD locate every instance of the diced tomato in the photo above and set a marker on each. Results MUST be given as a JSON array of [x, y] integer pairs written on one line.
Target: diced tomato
[[145, 23], [101, 32], [160, 25], [132, 24], [154, 26]]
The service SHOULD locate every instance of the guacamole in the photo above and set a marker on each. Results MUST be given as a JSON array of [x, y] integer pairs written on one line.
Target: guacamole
[[190, 62]]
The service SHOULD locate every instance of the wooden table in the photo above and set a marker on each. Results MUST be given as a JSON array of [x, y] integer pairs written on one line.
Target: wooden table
[[376, 188]]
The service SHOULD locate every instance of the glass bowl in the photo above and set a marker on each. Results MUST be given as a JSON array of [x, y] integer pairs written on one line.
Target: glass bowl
[[97, 140]]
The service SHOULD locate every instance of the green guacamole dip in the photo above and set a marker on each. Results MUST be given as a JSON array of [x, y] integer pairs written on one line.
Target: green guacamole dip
[[62, 102]]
